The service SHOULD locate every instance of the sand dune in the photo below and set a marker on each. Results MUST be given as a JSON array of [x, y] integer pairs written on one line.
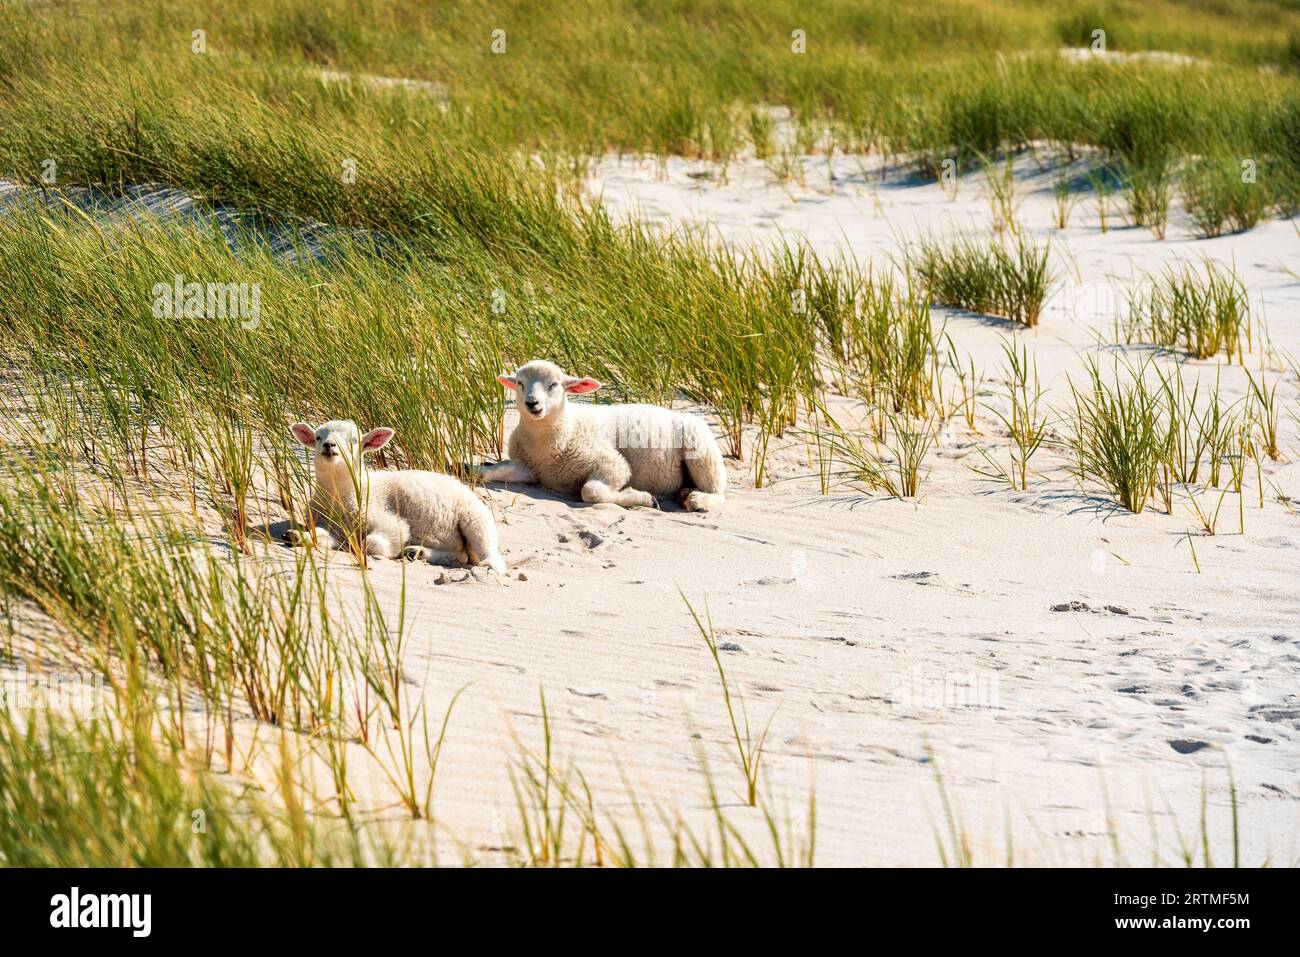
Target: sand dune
[[1051, 652]]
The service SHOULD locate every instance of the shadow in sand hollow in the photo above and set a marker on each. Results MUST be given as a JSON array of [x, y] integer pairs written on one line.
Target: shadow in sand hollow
[[288, 238]]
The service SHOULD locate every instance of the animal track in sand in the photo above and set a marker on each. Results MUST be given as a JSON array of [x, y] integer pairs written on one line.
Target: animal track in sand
[[587, 537], [445, 576], [1274, 713], [1075, 605], [921, 578]]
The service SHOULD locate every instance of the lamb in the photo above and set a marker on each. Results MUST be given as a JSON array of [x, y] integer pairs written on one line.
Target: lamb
[[625, 454], [409, 513]]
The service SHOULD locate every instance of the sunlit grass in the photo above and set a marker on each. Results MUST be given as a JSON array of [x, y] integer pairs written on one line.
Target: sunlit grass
[[1010, 278], [1201, 311]]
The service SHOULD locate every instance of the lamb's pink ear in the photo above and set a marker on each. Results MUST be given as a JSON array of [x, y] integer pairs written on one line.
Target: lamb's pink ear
[[376, 439], [304, 433], [580, 386], [508, 381]]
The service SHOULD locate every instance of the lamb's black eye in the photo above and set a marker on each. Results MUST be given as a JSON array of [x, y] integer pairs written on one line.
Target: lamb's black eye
[[553, 386]]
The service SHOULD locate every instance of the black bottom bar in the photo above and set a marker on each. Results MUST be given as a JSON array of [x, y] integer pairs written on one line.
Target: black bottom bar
[[365, 907]]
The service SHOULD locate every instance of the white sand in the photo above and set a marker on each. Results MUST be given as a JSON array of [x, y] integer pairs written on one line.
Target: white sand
[[869, 629]]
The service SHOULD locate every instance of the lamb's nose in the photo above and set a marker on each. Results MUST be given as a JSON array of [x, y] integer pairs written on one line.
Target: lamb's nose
[[532, 404]]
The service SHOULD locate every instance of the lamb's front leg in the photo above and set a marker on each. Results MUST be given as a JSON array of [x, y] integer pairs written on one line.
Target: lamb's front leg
[[508, 471], [386, 534], [597, 490], [441, 556], [319, 535], [379, 545], [301, 537]]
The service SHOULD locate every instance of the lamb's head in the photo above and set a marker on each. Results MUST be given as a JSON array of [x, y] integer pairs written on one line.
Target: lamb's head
[[540, 388], [339, 443]]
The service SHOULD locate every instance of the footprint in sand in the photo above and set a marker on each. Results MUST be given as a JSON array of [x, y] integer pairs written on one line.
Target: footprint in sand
[[1081, 606], [1071, 606], [921, 578], [588, 538]]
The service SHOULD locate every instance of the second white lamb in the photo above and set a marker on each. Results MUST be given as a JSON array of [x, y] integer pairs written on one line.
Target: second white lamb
[[406, 513]]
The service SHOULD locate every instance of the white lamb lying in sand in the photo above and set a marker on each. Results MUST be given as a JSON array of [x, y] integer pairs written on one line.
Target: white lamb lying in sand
[[625, 454], [405, 513]]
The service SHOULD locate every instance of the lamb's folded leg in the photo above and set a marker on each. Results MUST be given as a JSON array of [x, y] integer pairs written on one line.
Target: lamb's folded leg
[[300, 537], [508, 471], [597, 490], [693, 500], [381, 546], [439, 556]]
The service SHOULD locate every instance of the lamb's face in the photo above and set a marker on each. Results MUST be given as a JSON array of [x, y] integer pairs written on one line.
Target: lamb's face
[[339, 442], [540, 388]]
